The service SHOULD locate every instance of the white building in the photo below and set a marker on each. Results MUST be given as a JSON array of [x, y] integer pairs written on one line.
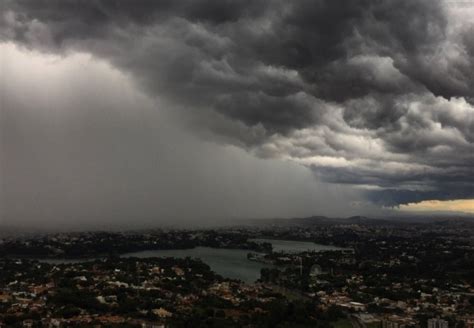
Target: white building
[[437, 323]]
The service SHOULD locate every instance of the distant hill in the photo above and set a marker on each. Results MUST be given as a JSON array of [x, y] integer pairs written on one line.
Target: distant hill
[[438, 219], [323, 220]]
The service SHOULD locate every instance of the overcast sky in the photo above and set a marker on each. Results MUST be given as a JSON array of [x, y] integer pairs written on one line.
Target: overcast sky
[[143, 112]]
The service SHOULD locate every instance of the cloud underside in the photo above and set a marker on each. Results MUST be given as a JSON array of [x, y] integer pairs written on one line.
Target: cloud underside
[[377, 95]]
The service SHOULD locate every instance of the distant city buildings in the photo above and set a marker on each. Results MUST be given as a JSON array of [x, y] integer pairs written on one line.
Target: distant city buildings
[[437, 323], [395, 321], [383, 275]]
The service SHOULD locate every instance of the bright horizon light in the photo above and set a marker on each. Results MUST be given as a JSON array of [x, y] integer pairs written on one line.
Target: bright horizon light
[[459, 205]]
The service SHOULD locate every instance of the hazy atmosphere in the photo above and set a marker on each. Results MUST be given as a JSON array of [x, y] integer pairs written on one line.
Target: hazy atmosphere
[[163, 112]]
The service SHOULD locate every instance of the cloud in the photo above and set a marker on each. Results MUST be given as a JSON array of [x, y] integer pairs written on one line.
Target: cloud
[[363, 93], [466, 206], [81, 147]]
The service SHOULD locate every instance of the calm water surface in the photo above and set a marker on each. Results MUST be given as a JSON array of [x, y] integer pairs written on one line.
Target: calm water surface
[[229, 263], [291, 246]]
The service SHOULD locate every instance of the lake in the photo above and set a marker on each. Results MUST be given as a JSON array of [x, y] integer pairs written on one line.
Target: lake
[[229, 263], [233, 263], [292, 246]]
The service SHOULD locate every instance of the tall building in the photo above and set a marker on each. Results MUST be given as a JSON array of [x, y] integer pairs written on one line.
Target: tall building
[[437, 323]]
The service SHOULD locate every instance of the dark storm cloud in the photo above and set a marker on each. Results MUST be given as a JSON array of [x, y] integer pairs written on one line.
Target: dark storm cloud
[[81, 147], [375, 93]]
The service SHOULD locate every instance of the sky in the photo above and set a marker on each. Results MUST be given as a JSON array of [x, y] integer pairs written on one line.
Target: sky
[[155, 112]]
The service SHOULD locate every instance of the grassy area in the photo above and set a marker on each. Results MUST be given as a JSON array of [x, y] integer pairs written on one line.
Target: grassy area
[[374, 325], [342, 323]]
